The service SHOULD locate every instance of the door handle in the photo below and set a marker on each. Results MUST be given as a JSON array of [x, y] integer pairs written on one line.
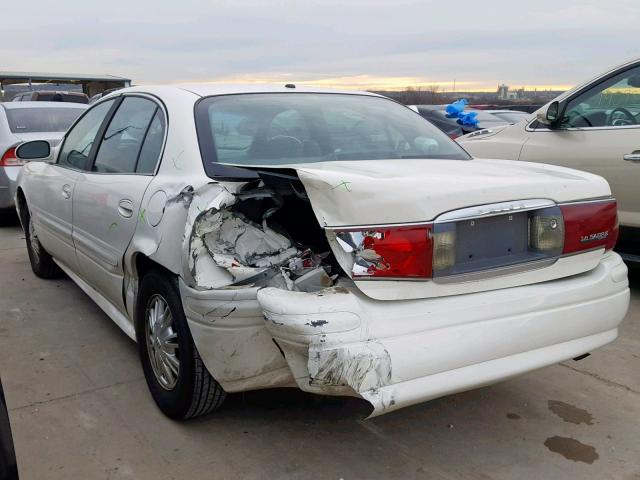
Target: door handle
[[66, 191], [632, 157], [125, 208]]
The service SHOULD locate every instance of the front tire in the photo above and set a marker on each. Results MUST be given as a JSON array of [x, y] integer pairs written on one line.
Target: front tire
[[178, 381], [42, 263]]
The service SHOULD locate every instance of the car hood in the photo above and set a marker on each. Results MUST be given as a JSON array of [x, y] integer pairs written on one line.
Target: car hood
[[350, 193]]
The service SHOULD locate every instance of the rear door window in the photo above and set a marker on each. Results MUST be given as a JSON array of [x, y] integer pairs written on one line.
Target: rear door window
[[152, 146], [122, 141]]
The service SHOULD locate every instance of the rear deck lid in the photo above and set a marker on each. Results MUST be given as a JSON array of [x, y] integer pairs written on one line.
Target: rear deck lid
[[489, 204]]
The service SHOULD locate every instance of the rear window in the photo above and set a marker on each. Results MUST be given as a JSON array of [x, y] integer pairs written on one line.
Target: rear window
[[28, 120], [61, 97], [289, 128]]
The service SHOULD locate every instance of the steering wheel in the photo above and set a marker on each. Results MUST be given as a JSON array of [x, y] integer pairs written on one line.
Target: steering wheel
[[286, 138], [577, 114], [630, 120]]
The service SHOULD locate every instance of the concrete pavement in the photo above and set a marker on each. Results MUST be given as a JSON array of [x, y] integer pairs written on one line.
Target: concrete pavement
[[80, 409]]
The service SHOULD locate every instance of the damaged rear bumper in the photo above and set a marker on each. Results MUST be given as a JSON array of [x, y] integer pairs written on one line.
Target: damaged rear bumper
[[398, 353]]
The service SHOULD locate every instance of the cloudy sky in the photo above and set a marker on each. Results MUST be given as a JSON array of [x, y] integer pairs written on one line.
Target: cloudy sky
[[349, 43]]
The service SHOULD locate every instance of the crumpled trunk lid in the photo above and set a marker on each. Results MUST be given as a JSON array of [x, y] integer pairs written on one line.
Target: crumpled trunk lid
[[374, 193], [378, 192]]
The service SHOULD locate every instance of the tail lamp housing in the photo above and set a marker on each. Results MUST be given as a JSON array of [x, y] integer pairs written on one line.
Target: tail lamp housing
[[9, 159], [444, 249], [590, 225]]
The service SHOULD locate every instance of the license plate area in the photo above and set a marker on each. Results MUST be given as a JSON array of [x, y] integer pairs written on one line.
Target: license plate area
[[493, 242]]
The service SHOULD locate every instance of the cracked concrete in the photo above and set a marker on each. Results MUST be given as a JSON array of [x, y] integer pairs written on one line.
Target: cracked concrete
[[80, 408]]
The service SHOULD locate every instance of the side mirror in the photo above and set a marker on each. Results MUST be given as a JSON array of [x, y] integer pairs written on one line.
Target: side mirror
[[551, 115], [553, 112], [34, 150]]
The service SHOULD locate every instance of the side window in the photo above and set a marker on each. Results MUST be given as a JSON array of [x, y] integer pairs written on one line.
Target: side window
[[150, 152], [122, 141], [78, 141], [613, 103]]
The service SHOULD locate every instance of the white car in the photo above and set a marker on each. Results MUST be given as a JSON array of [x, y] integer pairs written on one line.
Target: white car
[[20, 122], [594, 127], [260, 236]]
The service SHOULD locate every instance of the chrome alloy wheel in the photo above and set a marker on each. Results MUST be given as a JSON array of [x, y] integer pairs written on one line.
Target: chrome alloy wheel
[[33, 242], [162, 342]]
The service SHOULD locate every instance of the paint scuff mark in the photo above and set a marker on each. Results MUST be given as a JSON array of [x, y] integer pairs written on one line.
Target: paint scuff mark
[[184, 196], [362, 367], [177, 160], [317, 323]]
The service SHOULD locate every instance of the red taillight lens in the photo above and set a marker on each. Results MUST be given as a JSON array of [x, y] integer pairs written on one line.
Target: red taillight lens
[[9, 159], [590, 225], [399, 252]]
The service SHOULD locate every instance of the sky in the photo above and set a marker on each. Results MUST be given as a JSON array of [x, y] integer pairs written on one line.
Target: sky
[[372, 44]]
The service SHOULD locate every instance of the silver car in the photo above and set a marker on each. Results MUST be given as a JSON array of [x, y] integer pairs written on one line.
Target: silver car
[[24, 121]]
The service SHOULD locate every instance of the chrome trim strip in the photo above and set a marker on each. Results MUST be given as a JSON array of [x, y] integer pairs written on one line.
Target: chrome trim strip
[[528, 128], [529, 204], [494, 209], [589, 200], [496, 272]]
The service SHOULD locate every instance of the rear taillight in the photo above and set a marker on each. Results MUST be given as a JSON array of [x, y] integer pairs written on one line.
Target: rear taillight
[[389, 251], [590, 225], [443, 249], [9, 159]]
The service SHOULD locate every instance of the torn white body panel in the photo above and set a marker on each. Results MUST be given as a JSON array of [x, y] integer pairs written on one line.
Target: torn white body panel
[[397, 353], [228, 328]]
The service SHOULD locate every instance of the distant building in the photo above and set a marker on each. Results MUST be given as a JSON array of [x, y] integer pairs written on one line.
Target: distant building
[[503, 93]]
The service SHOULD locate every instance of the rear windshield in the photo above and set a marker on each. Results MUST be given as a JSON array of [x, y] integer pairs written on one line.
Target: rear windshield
[[290, 128], [28, 120], [61, 97]]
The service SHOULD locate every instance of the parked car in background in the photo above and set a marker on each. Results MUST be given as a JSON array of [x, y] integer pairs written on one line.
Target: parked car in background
[[511, 116], [437, 115], [50, 96], [521, 107], [594, 127], [8, 465], [24, 121], [261, 236], [98, 96]]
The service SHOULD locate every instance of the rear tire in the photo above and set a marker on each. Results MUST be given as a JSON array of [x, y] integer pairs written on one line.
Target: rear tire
[[178, 381], [42, 263]]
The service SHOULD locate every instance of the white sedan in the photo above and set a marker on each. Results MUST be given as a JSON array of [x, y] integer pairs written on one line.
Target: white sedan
[[260, 236]]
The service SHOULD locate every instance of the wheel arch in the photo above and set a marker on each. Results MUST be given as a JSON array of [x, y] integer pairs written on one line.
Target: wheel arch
[[21, 205], [139, 265]]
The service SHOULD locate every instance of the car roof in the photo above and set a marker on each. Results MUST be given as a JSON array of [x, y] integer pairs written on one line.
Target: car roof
[[19, 105], [210, 89]]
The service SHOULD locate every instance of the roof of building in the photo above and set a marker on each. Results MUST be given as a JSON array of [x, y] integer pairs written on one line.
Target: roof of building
[[65, 77]]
